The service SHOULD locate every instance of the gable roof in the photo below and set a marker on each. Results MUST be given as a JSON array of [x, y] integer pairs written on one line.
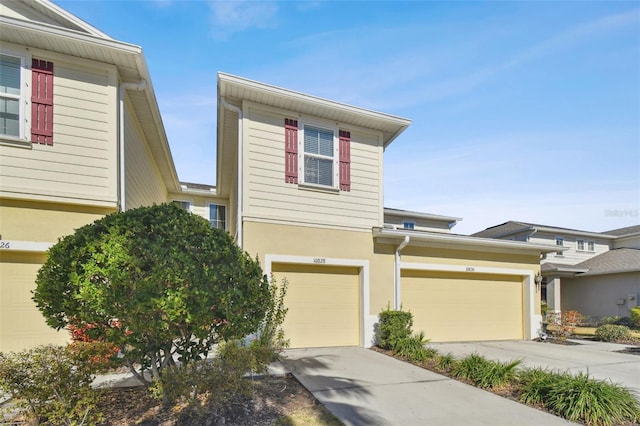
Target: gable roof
[[624, 231], [515, 227]]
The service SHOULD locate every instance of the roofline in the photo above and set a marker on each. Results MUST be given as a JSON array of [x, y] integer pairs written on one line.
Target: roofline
[[616, 271], [72, 18], [419, 215], [225, 78], [470, 243]]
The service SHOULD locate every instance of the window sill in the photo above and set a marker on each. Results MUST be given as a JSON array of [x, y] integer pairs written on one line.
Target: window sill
[[318, 188], [15, 142]]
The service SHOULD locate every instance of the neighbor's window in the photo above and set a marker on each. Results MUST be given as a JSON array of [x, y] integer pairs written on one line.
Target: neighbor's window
[[185, 205], [10, 96], [591, 246], [559, 243], [217, 216], [580, 245], [319, 156], [407, 224]]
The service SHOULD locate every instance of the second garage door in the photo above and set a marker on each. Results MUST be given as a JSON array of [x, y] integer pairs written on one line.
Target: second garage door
[[451, 307], [323, 303]]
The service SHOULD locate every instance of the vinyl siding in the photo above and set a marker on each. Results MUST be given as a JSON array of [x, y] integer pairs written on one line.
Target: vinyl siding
[[267, 196], [80, 166], [144, 184], [420, 224], [571, 256]]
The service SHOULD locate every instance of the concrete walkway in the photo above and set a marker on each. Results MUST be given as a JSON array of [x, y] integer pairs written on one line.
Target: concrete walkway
[[363, 387], [598, 358]]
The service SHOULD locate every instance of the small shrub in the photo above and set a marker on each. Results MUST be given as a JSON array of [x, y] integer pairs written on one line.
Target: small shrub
[[432, 353], [270, 335], [613, 333], [535, 384], [52, 383], [412, 347], [393, 326], [446, 362], [483, 372], [562, 325], [594, 402], [544, 308], [635, 317]]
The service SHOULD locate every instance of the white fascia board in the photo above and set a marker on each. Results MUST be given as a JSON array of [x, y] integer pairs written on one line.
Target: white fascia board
[[463, 242], [562, 231], [271, 92], [419, 215], [25, 246]]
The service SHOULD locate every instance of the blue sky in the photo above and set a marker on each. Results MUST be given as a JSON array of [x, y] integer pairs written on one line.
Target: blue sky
[[521, 110]]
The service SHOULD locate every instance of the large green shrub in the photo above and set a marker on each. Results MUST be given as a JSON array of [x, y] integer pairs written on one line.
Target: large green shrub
[[158, 282], [635, 316], [393, 326], [52, 383], [613, 333]]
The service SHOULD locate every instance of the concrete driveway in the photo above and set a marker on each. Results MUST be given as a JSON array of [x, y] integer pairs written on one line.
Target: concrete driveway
[[600, 359], [363, 387]]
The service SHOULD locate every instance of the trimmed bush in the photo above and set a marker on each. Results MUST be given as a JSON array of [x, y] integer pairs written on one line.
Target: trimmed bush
[[52, 383], [635, 316], [393, 326], [484, 373], [612, 333]]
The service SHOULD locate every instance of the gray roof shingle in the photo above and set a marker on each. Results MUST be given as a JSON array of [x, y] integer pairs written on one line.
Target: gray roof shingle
[[612, 261], [624, 231]]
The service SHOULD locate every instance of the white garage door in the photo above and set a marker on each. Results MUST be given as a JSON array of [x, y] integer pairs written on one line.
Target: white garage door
[[451, 307], [323, 303]]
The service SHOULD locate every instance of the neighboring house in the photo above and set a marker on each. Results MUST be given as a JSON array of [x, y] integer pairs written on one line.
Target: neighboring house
[[597, 274], [299, 184]]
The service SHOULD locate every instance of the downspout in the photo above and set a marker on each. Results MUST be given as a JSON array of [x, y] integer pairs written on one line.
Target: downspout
[[141, 85], [239, 190], [396, 293]]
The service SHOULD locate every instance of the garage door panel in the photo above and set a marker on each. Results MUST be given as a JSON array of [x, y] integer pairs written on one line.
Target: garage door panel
[[459, 307], [323, 303]]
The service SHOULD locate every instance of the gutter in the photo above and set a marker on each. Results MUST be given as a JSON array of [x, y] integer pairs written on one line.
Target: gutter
[[238, 111], [396, 288], [141, 85]]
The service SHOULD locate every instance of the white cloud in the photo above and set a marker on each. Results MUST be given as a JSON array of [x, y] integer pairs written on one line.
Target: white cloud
[[229, 16]]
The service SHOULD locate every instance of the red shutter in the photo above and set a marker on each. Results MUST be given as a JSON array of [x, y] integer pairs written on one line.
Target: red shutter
[[345, 160], [42, 102], [291, 150]]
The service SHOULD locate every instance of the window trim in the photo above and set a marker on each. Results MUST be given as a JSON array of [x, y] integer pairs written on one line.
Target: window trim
[[591, 246], [336, 155], [189, 204], [562, 240], [409, 222], [578, 245], [24, 108], [226, 209]]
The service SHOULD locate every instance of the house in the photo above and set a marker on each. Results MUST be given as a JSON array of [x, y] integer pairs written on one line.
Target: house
[[299, 185], [597, 274]]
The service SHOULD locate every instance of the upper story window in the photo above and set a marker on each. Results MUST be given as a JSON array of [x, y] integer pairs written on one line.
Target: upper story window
[[217, 216], [408, 224], [559, 243], [580, 245], [320, 156], [11, 94], [591, 246], [184, 205]]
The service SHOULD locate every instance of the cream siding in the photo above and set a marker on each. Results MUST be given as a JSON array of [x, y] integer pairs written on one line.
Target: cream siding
[[420, 224], [200, 203], [268, 197], [144, 184], [80, 166], [571, 256]]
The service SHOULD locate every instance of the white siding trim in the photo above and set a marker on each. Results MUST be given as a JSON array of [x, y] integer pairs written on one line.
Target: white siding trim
[[29, 246], [531, 322], [366, 324]]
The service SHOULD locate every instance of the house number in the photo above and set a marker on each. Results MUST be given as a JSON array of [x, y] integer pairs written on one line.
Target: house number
[[319, 260], [5, 244], [470, 269]]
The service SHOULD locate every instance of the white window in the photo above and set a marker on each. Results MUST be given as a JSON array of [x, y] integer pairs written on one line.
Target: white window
[[320, 156], [591, 246], [407, 224], [217, 216], [559, 243], [184, 205], [580, 245], [13, 97]]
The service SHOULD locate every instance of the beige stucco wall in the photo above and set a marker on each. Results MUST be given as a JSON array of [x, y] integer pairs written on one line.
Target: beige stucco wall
[[21, 324], [596, 295]]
